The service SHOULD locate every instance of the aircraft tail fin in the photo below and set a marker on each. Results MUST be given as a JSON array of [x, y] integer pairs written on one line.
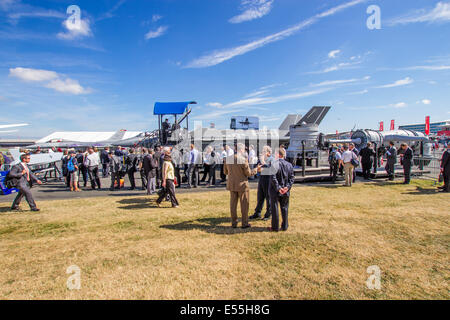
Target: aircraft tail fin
[[117, 136], [315, 115], [290, 120]]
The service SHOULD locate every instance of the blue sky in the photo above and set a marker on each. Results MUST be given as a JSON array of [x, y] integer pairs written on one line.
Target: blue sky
[[265, 58]]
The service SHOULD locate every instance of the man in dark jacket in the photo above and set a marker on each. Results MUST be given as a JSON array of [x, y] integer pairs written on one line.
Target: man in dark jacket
[[391, 156], [131, 161], [263, 185], [104, 159], [149, 164], [367, 155], [407, 162], [445, 169], [157, 157], [279, 190], [22, 178], [115, 168]]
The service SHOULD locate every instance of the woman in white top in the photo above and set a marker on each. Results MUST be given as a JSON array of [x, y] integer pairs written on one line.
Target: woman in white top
[[168, 184]]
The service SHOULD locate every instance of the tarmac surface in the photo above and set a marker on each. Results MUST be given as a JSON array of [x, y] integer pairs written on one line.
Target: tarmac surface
[[56, 190]]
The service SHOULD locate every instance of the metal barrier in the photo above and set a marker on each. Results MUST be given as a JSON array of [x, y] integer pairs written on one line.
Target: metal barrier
[[431, 166]]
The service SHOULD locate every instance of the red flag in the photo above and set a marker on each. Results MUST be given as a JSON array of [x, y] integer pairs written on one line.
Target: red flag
[[427, 125], [392, 124], [381, 126]]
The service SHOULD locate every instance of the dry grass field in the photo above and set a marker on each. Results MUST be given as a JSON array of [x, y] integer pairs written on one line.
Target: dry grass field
[[127, 248]]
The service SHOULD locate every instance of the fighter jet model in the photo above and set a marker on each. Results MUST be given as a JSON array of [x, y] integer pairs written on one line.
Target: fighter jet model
[[115, 140]]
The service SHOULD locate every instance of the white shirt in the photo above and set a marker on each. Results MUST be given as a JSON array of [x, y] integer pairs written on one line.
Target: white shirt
[[347, 156], [93, 160], [252, 159], [230, 152]]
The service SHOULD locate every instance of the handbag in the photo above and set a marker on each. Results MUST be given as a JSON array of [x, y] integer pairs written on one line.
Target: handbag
[[355, 163], [441, 177]]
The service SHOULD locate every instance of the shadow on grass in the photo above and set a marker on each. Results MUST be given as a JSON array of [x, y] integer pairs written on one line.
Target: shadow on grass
[[212, 225], [422, 191], [138, 203], [5, 209]]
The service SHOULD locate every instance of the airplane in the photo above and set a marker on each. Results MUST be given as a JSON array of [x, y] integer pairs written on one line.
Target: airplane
[[114, 141]]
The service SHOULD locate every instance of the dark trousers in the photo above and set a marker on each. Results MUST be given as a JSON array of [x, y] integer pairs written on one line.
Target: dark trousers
[[263, 195], [283, 200], [178, 176], [93, 176], [193, 175], [333, 171], [158, 178], [24, 190], [407, 172], [366, 167], [170, 191], [223, 176], [390, 169], [105, 169], [143, 179], [84, 172], [212, 174], [115, 178], [447, 180], [131, 178], [205, 172]]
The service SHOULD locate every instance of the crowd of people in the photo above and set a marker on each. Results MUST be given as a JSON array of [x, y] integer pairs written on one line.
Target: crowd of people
[[161, 169]]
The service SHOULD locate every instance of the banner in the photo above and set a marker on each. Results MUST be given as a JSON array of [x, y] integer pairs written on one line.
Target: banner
[[381, 126], [427, 125], [392, 125]]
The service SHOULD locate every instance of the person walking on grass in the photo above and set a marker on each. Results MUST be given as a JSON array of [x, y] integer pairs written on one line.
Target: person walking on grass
[[168, 184]]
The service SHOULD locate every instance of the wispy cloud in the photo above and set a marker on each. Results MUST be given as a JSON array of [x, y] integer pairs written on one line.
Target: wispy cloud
[[439, 14], [333, 54], [429, 68], [156, 17], [223, 55], [398, 83], [49, 79], [110, 13], [424, 101], [338, 82], [359, 92], [252, 9], [156, 33]]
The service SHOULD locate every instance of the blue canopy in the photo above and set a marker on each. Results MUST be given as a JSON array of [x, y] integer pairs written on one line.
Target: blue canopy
[[171, 107]]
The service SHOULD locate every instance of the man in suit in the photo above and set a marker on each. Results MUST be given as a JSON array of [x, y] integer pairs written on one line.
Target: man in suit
[[280, 185], [115, 164], [149, 164], [238, 170], [367, 155], [407, 162], [104, 158], [22, 178], [391, 155], [266, 160], [445, 169], [131, 162]]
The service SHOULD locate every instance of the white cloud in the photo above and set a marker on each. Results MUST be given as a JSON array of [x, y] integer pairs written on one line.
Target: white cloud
[[359, 92], [429, 68], [156, 17], [398, 83], [399, 105], [425, 101], [49, 79], [252, 9], [440, 13], [337, 82], [75, 30], [157, 33], [67, 86], [223, 55], [333, 54], [214, 104], [27, 74]]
